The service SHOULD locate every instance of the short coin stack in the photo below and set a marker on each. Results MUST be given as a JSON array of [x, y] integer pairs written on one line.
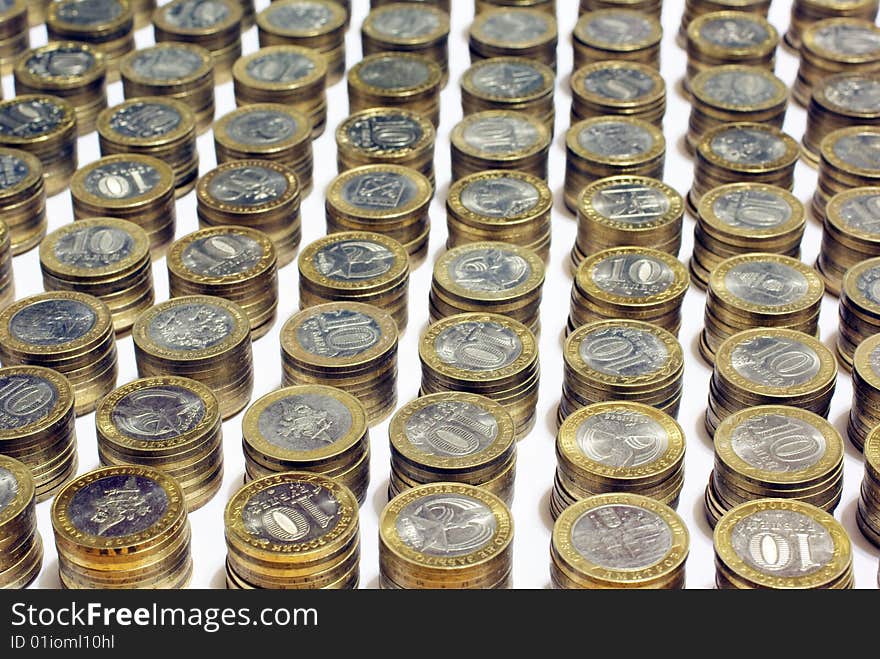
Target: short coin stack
[[22, 199], [106, 25], [7, 279], [292, 531], [695, 8], [167, 423], [851, 234], [859, 309], [20, 541], [619, 541], [123, 528], [868, 516], [14, 32], [805, 13], [500, 139], [514, 32], [628, 89], [865, 414], [850, 158], [422, 546], [617, 34], [453, 438], [396, 80]]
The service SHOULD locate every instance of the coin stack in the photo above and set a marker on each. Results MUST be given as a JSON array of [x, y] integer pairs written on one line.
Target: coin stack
[[7, 278], [258, 194], [104, 257], [859, 309], [310, 429], [745, 218], [850, 236], [634, 283], [775, 452], [760, 290], [627, 89], [68, 331], [143, 12], [865, 413], [22, 199], [45, 127], [769, 545], [805, 13], [501, 206], [486, 354], [289, 75], [623, 361], [316, 24], [201, 337], [356, 266], [453, 438], [611, 146], [770, 367], [215, 25], [419, 548], [123, 528], [617, 34], [480, 6], [38, 425], [868, 516], [182, 71], [248, 15], [695, 8], [268, 131], [742, 153], [167, 423], [624, 211], [396, 80], [20, 540], [72, 71], [609, 542], [492, 277], [514, 32], [156, 126], [292, 531], [14, 32], [106, 25], [346, 345], [37, 12], [850, 158], [836, 45], [650, 7], [387, 136], [628, 448], [236, 263], [388, 199]]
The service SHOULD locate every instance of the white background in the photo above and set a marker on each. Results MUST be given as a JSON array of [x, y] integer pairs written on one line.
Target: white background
[[536, 454]]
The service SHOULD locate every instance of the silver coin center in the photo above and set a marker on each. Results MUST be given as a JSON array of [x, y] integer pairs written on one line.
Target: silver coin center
[[446, 525], [622, 438], [52, 322], [775, 362], [752, 209], [305, 422], [452, 429], [633, 276], [117, 506], [778, 443], [631, 203], [480, 347], [505, 135], [500, 198], [766, 283], [158, 413], [623, 351], [339, 334], [616, 139], [354, 260], [190, 327], [621, 537], [291, 513], [489, 270]]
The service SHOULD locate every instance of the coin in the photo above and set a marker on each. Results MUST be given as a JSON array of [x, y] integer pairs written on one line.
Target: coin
[[804, 13], [618, 87], [694, 8], [850, 158], [107, 25], [22, 199], [514, 32], [859, 308], [396, 79], [617, 34], [408, 27]]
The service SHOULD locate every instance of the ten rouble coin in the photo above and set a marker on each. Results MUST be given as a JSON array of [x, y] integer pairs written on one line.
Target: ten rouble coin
[[859, 309], [695, 8], [618, 87], [500, 139], [850, 158], [514, 32], [22, 199], [396, 80], [107, 25], [617, 34], [19, 537], [804, 13], [865, 413], [851, 234]]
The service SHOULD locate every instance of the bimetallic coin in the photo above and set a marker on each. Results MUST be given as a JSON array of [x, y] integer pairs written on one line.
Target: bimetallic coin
[[478, 347], [27, 117], [619, 83], [622, 438], [197, 14], [53, 322], [844, 39], [502, 197], [26, 398], [121, 179], [628, 203], [85, 13], [738, 88], [94, 247], [248, 185], [766, 283], [13, 170], [191, 327], [385, 133], [500, 134], [752, 208], [142, 120], [775, 361], [279, 66], [158, 412], [734, 32], [632, 275], [743, 146], [62, 61], [302, 17], [859, 150], [379, 190], [615, 29], [406, 22], [339, 334], [852, 93], [224, 255], [507, 79], [621, 351], [354, 260], [262, 127], [489, 270], [169, 62], [513, 27], [390, 72]]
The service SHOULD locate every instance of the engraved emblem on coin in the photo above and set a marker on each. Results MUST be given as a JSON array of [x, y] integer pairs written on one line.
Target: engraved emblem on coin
[[856, 94], [379, 190], [513, 27], [622, 438], [166, 63], [489, 270], [633, 276], [12, 170], [783, 543], [740, 88], [291, 513], [197, 14], [623, 351], [500, 135], [25, 400], [752, 209], [775, 362], [304, 16], [8, 488], [261, 127], [508, 79], [158, 413], [52, 322], [446, 525], [847, 39], [874, 361], [766, 283], [116, 506], [619, 83], [249, 185], [305, 422], [89, 12], [621, 537], [478, 347], [339, 334], [618, 29], [500, 198], [868, 284], [145, 120], [862, 213], [29, 118], [734, 32], [616, 139], [394, 73], [62, 62], [93, 247], [630, 203], [191, 327], [385, 133], [121, 180], [222, 256], [452, 429], [280, 67], [354, 260], [861, 150], [778, 443], [747, 146], [407, 23]]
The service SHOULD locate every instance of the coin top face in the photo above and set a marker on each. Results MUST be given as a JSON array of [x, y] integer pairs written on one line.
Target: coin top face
[[222, 255], [291, 513], [386, 133], [13, 170], [862, 213], [854, 93], [868, 284], [158, 413], [167, 63], [145, 120], [261, 127], [752, 209], [477, 346], [446, 525], [52, 322], [8, 488], [189, 327], [778, 443], [305, 422], [847, 39], [782, 543], [301, 16], [500, 198], [24, 400], [874, 361], [410, 22], [622, 438], [354, 260], [118, 505], [861, 150], [501, 135], [620, 84], [740, 88], [121, 180], [280, 67], [488, 270], [88, 12], [623, 351], [452, 429], [615, 139], [248, 185], [621, 537], [514, 27], [339, 334], [766, 283], [197, 14], [379, 191], [617, 28], [94, 247], [62, 61], [507, 79], [747, 146], [630, 203], [734, 32], [29, 117], [633, 276], [390, 73], [775, 361]]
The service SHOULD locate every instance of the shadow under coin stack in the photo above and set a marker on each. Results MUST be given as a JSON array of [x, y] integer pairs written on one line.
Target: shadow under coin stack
[[292, 531], [619, 541], [167, 423], [851, 234], [396, 80], [627, 89], [419, 550], [14, 32], [20, 542], [122, 528], [617, 34], [865, 412], [805, 13], [514, 32], [859, 309], [850, 158], [310, 429], [7, 279], [868, 515], [106, 25], [22, 199], [695, 8]]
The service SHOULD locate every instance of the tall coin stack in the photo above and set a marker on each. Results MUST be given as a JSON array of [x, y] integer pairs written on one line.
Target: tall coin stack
[[167, 423], [20, 540], [695, 8], [346, 345], [66, 331], [453, 438], [804, 13], [868, 516], [628, 89], [122, 528], [514, 32], [396, 80], [850, 158], [419, 550], [865, 413], [292, 531], [22, 199], [107, 25], [311, 429], [500, 139], [850, 236], [7, 278], [14, 32], [859, 309], [236, 263], [207, 339], [617, 34], [603, 543]]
